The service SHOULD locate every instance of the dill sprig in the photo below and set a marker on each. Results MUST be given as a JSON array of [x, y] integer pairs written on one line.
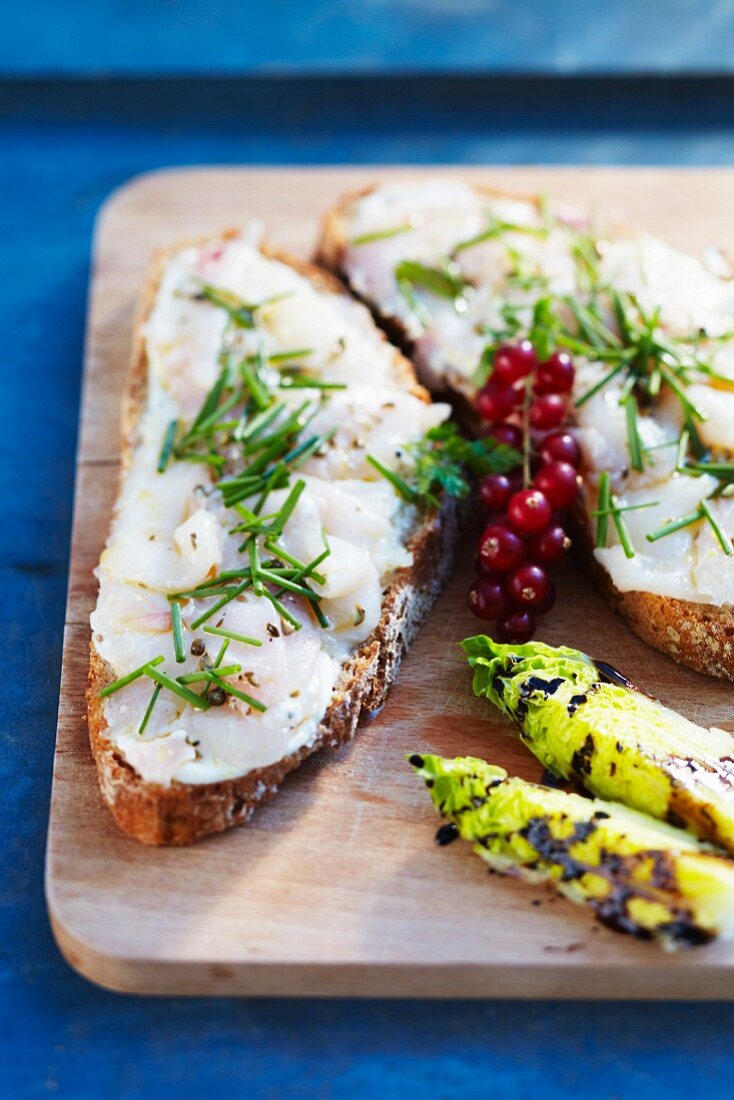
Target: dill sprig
[[441, 462]]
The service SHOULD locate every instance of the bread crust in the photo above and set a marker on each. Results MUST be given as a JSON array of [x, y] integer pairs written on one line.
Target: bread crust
[[699, 636], [183, 813]]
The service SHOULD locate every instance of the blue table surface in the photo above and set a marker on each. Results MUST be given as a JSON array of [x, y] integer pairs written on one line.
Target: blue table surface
[[64, 148], [247, 36]]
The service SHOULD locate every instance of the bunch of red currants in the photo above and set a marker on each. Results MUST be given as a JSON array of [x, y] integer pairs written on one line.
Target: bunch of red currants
[[525, 402]]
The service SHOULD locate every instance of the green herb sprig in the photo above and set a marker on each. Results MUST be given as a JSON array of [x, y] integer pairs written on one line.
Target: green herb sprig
[[441, 462]]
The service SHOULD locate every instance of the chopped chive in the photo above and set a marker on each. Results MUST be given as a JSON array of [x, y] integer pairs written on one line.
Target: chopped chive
[[605, 501], [591, 326], [318, 612], [287, 510], [220, 604], [395, 480], [176, 688], [688, 407], [622, 530], [697, 444], [381, 234], [282, 610], [415, 305], [289, 585], [721, 470], [215, 460], [254, 558], [220, 632], [207, 590], [680, 458], [598, 385], [206, 674], [223, 649], [304, 570], [675, 525], [259, 393], [308, 382], [300, 455], [634, 443], [149, 709], [479, 238], [259, 423], [167, 447], [242, 314], [625, 508], [653, 385], [283, 356], [210, 403], [496, 229], [178, 635], [446, 281], [128, 679], [724, 542], [620, 314], [231, 690]]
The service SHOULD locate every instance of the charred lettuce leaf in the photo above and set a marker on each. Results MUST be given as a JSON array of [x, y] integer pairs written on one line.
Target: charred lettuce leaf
[[586, 722], [636, 874]]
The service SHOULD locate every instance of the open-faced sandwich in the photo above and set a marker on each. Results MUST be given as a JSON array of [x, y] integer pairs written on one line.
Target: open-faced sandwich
[[281, 530], [458, 272]]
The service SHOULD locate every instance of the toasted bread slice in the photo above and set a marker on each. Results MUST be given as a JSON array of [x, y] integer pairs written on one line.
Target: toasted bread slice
[[684, 612], [153, 796]]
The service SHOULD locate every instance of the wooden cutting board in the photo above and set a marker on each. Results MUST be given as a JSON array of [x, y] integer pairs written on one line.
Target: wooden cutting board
[[337, 886]]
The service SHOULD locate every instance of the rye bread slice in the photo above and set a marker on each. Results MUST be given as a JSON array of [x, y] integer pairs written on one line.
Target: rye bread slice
[[699, 636], [183, 813]]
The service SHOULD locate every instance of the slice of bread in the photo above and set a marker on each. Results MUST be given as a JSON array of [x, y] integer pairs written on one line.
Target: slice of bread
[[697, 634], [177, 812]]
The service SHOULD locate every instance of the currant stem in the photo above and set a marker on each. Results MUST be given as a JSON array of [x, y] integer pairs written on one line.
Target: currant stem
[[526, 434]]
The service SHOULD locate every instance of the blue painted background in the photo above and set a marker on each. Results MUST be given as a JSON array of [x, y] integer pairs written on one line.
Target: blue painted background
[[66, 140], [373, 36]]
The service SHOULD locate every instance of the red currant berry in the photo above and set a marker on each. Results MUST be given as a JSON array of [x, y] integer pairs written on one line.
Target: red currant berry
[[513, 362], [495, 491], [529, 511], [528, 585], [547, 602], [507, 433], [559, 482], [500, 549], [555, 375], [495, 401], [518, 627], [549, 546], [547, 411], [487, 599], [561, 447]]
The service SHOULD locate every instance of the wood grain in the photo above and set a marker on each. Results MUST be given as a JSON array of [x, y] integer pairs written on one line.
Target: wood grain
[[336, 887]]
